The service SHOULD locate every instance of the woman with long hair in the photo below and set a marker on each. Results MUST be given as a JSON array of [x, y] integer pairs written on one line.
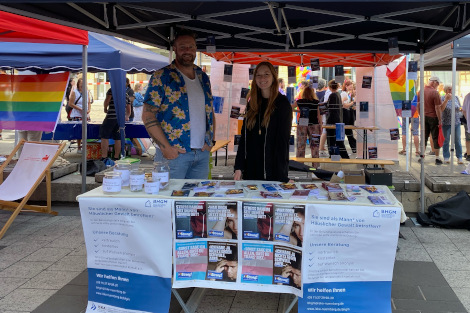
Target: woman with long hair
[[335, 115], [309, 125], [348, 113], [75, 102], [263, 151], [138, 102]]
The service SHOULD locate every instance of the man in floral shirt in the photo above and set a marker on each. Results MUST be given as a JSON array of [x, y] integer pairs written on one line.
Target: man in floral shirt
[[178, 112]]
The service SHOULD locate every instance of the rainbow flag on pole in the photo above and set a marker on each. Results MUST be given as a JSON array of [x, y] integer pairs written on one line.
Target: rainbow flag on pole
[[31, 102], [397, 81]]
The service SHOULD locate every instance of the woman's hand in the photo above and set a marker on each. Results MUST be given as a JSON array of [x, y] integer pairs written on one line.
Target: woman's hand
[[237, 175]]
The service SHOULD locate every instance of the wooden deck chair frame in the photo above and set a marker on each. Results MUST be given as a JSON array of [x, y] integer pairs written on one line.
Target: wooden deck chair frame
[[17, 207]]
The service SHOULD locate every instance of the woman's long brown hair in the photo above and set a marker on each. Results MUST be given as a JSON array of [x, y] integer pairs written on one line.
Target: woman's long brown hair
[[256, 98], [309, 94]]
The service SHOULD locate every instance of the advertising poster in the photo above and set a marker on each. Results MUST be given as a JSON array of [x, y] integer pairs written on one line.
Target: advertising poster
[[258, 221], [228, 70], [190, 219], [244, 95], [315, 64], [240, 253], [124, 275], [340, 274], [291, 76]]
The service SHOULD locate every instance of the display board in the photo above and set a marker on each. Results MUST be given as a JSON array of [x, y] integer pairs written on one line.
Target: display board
[[318, 247]]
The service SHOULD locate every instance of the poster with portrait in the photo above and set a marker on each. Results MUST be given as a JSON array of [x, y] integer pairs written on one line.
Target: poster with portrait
[[190, 219], [228, 71], [235, 112], [291, 75], [315, 64], [243, 96]]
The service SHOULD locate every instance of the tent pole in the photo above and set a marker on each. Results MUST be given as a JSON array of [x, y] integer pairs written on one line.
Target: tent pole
[[407, 119], [374, 81], [84, 114], [421, 113], [452, 123]]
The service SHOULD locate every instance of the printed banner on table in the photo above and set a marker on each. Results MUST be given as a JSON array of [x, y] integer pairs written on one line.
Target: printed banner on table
[[342, 273], [128, 243], [238, 253], [31, 102]]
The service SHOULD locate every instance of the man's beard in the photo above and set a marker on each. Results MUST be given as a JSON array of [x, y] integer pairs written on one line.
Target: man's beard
[[183, 61]]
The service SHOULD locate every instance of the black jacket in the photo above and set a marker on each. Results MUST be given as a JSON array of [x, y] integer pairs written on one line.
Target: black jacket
[[266, 156]]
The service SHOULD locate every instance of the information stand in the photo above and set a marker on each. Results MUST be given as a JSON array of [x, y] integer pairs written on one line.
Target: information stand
[[308, 246]]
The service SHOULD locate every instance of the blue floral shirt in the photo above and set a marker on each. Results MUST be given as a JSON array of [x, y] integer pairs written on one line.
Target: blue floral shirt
[[167, 92]]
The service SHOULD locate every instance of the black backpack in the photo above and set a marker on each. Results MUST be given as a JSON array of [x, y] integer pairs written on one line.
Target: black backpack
[[451, 213]]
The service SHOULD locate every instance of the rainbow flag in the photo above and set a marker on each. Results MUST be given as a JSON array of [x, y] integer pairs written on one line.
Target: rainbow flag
[[31, 102], [397, 81]]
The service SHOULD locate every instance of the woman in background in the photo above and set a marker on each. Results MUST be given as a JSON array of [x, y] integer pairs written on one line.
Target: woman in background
[[309, 125], [138, 102], [446, 119], [76, 102], [347, 96], [335, 107], [263, 152]]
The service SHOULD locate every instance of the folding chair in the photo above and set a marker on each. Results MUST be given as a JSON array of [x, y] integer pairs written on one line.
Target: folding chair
[[33, 166]]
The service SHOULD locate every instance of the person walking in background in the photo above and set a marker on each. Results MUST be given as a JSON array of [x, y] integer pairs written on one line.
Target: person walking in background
[[309, 125], [263, 152], [466, 116], [446, 118], [76, 103], [282, 86], [129, 100], [348, 115], [432, 114], [178, 112], [335, 106], [109, 129], [138, 102]]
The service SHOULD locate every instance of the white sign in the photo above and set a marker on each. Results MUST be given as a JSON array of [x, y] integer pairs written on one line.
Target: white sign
[[128, 245]]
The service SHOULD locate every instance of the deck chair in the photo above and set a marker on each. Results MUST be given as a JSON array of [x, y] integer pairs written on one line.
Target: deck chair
[[33, 166]]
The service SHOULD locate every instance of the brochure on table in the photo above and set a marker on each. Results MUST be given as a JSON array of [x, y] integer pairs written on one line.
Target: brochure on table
[[315, 248]]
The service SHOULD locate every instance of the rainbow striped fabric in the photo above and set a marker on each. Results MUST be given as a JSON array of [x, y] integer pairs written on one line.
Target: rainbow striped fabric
[[397, 81], [31, 102]]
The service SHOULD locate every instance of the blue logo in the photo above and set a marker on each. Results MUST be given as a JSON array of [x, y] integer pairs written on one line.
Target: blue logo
[[184, 234], [216, 233], [282, 237], [93, 306], [249, 277], [185, 274], [250, 235], [148, 204], [376, 213], [214, 275], [278, 279]]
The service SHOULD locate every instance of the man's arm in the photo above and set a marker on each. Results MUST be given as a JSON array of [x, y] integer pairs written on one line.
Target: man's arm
[[106, 103], [149, 117]]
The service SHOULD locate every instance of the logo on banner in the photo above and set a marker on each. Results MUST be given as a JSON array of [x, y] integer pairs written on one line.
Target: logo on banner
[[250, 235], [281, 280], [185, 274], [184, 234], [45, 158], [385, 213], [250, 277], [282, 237], [216, 233], [93, 307], [214, 275], [388, 213]]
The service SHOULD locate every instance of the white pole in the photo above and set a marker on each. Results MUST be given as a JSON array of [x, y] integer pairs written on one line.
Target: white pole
[[84, 113], [452, 123], [421, 113], [407, 119], [374, 82]]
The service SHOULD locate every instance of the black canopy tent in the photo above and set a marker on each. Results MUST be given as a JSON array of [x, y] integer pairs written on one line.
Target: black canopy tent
[[310, 25], [286, 26], [440, 59]]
